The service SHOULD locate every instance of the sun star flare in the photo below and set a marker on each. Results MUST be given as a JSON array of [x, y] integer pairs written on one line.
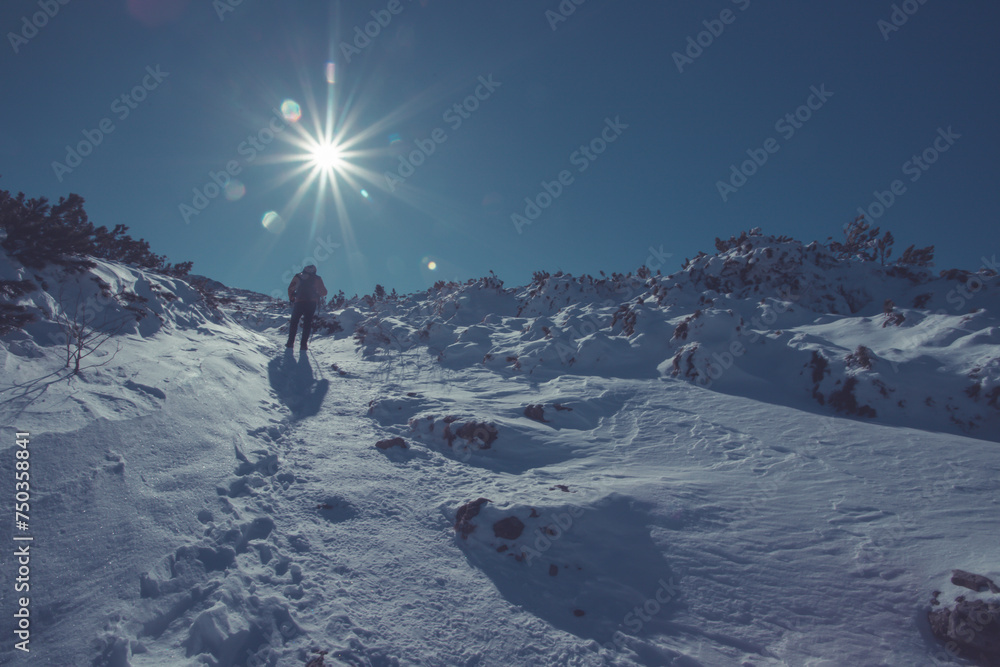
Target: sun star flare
[[327, 156]]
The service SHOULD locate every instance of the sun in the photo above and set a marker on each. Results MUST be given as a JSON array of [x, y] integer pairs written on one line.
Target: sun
[[326, 155], [328, 152]]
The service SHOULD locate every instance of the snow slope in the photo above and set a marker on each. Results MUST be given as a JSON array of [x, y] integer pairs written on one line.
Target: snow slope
[[205, 497]]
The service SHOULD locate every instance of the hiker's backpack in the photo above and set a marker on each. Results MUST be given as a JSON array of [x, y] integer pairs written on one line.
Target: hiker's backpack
[[306, 290]]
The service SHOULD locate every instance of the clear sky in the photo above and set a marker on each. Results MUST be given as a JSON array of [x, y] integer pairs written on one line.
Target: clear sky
[[621, 121]]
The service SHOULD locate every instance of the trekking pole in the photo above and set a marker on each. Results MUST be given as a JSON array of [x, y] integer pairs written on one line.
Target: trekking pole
[[315, 363]]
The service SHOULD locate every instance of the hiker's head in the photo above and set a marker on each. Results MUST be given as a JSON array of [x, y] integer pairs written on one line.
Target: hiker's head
[[311, 269]]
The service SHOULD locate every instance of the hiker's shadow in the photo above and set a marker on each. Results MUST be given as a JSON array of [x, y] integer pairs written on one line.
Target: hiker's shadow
[[295, 384]]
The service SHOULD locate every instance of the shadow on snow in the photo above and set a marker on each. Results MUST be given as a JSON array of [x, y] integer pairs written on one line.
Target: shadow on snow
[[295, 384], [603, 578]]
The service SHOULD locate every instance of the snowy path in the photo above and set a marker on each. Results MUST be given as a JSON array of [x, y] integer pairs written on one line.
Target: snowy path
[[685, 527], [783, 537]]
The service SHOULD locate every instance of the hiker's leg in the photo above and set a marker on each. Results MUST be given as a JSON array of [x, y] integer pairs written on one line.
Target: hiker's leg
[[309, 309], [293, 326]]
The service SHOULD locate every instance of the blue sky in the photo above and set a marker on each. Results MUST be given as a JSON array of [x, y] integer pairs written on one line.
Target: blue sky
[[619, 120]]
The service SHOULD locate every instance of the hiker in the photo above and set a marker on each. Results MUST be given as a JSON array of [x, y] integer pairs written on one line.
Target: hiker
[[305, 291]]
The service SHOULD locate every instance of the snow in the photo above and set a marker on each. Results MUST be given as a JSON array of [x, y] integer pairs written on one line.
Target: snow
[[201, 496]]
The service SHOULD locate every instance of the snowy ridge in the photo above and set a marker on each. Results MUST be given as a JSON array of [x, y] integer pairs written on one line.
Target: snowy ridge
[[548, 490], [769, 316]]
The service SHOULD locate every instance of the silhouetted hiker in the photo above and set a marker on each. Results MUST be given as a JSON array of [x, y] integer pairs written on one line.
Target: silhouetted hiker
[[305, 291]]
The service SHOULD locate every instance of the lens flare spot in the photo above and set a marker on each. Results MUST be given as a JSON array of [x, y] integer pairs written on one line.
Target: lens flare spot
[[291, 110], [235, 190], [273, 222], [395, 139], [432, 265], [331, 73], [364, 193]]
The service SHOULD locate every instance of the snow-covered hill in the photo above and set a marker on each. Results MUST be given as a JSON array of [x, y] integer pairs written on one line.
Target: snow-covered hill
[[754, 461], [769, 318]]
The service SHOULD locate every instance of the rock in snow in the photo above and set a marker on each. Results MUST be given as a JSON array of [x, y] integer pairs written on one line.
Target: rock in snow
[[974, 582], [509, 528], [465, 514], [970, 629], [391, 442]]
